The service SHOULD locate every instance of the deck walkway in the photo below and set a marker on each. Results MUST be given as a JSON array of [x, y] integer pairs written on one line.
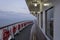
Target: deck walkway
[[24, 34]]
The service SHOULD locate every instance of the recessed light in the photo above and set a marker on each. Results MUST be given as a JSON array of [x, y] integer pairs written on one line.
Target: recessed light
[[46, 4], [35, 4]]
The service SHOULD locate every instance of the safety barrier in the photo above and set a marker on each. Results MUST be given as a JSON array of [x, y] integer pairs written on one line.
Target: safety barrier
[[8, 32]]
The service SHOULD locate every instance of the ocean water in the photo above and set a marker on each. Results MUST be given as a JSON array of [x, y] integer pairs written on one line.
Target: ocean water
[[7, 18]]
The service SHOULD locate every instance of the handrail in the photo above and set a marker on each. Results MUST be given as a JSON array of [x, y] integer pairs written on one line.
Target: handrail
[[13, 24], [13, 29]]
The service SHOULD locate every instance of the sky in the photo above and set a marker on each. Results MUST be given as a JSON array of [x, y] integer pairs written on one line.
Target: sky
[[14, 5], [7, 18], [12, 11]]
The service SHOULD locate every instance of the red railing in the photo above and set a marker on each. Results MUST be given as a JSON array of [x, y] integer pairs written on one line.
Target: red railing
[[8, 32]]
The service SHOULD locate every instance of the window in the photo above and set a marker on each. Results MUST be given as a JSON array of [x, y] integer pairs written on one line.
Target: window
[[49, 13]]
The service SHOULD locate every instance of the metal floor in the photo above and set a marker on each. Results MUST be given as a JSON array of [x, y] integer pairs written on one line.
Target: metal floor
[[24, 34]]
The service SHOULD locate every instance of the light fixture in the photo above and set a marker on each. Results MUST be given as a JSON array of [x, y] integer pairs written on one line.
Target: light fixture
[[33, 12], [46, 4], [35, 4], [38, 12]]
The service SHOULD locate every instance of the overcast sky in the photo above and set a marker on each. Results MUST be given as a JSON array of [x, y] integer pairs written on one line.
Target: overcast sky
[[14, 5], [9, 17]]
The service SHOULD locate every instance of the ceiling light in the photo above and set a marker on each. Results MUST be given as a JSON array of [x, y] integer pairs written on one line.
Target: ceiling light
[[38, 12], [35, 4], [46, 4]]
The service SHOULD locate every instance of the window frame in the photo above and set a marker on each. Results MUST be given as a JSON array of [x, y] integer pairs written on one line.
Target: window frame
[[47, 23], [41, 19]]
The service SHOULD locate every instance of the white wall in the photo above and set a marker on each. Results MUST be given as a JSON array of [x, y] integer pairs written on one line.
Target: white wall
[[39, 20], [43, 28], [57, 20]]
